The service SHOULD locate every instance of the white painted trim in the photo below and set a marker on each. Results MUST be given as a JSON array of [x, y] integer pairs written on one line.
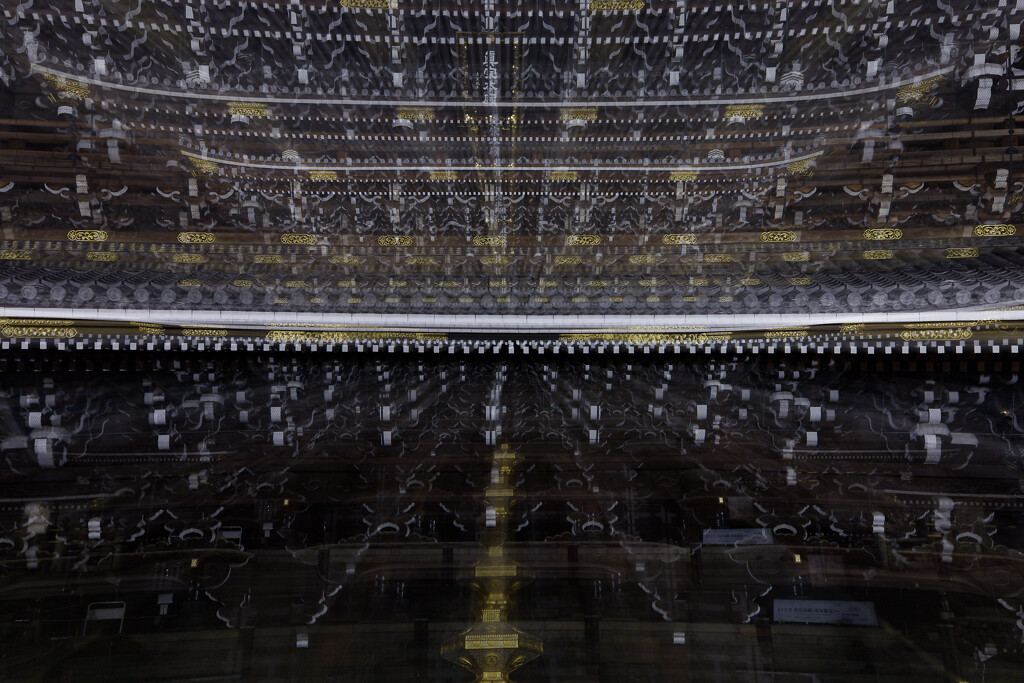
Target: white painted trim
[[499, 324]]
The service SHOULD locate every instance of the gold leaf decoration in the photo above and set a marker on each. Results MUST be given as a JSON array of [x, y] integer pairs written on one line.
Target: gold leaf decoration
[[298, 238], [101, 256], [203, 332], [785, 334], [368, 4], [398, 283], [617, 5], [679, 239], [801, 168], [641, 259], [444, 175], [253, 110], [717, 258], [648, 283], [241, 283], [15, 255], [597, 283], [323, 175], [699, 282], [547, 283], [266, 258], [778, 236], [295, 283], [995, 230], [851, 328], [682, 176], [447, 284], [877, 254], [196, 237], [567, 260], [583, 240], [68, 89], [345, 260], [202, 166], [961, 252], [564, 176], [37, 331], [189, 283], [948, 334], [799, 281], [188, 258], [421, 261], [916, 92], [796, 256], [490, 241], [883, 234], [87, 235], [579, 114], [394, 241], [415, 113], [744, 111], [750, 282], [494, 260]]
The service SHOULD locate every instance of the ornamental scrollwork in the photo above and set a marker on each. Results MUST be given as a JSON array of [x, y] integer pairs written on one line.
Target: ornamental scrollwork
[[490, 241], [394, 241], [101, 256], [564, 176], [936, 335], [567, 260], [36, 331], [203, 332], [796, 256], [579, 114], [188, 258], [641, 259], [744, 111], [323, 175], [679, 239], [494, 260], [421, 261], [682, 176], [253, 110], [415, 113], [87, 235], [196, 237], [617, 5], [15, 255], [717, 258], [266, 258], [801, 168], [778, 236], [961, 252], [444, 175], [877, 254], [583, 240], [345, 260], [298, 238], [69, 89], [883, 234], [995, 230]]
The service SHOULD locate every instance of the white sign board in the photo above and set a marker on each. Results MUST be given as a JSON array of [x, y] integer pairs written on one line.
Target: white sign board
[[826, 612]]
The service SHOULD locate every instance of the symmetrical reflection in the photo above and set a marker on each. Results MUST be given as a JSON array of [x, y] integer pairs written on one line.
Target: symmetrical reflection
[[612, 517]]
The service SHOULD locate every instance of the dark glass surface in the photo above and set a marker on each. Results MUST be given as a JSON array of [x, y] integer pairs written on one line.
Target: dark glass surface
[[605, 517]]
